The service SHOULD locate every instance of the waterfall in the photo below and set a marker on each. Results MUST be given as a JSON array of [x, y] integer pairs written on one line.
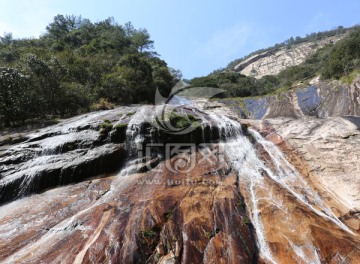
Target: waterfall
[[227, 128], [270, 185], [244, 160], [138, 134], [134, 137], [253, 173], [288, 177]]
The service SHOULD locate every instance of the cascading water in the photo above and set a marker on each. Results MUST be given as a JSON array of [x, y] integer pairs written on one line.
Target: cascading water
[[135, 138], [115, 210], [45, 147], [243, 159], [288, 177], [254, 177]]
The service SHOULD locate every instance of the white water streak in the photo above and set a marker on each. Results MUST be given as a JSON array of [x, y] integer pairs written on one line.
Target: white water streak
[[245, 162], [288, 177], [244, 159]]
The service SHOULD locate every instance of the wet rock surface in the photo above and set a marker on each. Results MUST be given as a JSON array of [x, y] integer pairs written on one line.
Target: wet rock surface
[[324, 99], [93, 144], [302, 223], [325, 154], [90, 190], [331, 147], [155, 217], [58, 155]]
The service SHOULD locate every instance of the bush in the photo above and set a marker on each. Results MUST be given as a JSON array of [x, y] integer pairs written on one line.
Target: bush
[[77, 66], [105, 127], [181, 121], [102, 104], [17, 99], [343, 58], [75, 99]]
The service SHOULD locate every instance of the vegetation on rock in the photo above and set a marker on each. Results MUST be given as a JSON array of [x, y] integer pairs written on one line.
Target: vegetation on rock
[[77, 66], [333, 61]]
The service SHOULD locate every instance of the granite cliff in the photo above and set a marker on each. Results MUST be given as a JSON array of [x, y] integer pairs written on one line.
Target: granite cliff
[[120, 186], [275, 60], [321, 99]]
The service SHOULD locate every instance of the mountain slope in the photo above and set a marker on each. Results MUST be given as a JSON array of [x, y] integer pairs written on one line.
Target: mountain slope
[[326, 55], [274, 61]]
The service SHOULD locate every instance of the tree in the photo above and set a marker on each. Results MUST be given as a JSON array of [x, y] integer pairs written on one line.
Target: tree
[[163, 80], [141, 40], [136, 72], [77, 62], [46, 81], [207, 81], [113, 88], [75, 98], [73, 22], [343, 57], [267, 84], [59, 27], [16, 96], [129, 29], [176, 74], [7, 39]]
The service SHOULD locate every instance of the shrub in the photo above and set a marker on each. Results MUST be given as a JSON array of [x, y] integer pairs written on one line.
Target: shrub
[[103, 104], [17, 99], [121, 125], [181, 121]]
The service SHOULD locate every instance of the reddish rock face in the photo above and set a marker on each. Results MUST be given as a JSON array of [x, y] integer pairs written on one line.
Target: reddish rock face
[[139, 218], [261, 203], [293, 227]]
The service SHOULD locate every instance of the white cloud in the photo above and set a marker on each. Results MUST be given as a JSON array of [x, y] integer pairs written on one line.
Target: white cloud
[[226, 44]]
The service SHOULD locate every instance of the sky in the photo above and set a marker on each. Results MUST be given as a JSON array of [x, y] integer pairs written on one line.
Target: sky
[[198, 36]]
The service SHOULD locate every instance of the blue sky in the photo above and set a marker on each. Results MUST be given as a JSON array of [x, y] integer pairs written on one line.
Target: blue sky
[[195, 36]]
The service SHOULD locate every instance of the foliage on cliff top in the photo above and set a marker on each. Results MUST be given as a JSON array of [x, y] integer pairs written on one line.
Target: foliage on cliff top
[[313, 37], [78, 65], [333, 61]]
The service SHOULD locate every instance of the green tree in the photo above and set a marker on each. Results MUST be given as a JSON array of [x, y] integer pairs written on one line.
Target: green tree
[[75, 98], [7, 39], [343, 57], [141, 40], [59, 27], [16, 96], [77, 63], [113, 88], [176, 74], [163, 80], [46, 81], [136, 71], [206, 81]]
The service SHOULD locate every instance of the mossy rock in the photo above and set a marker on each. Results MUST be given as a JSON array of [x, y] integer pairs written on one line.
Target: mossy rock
[[105, 126], [130, 113], [182, 121], [118, 134]]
